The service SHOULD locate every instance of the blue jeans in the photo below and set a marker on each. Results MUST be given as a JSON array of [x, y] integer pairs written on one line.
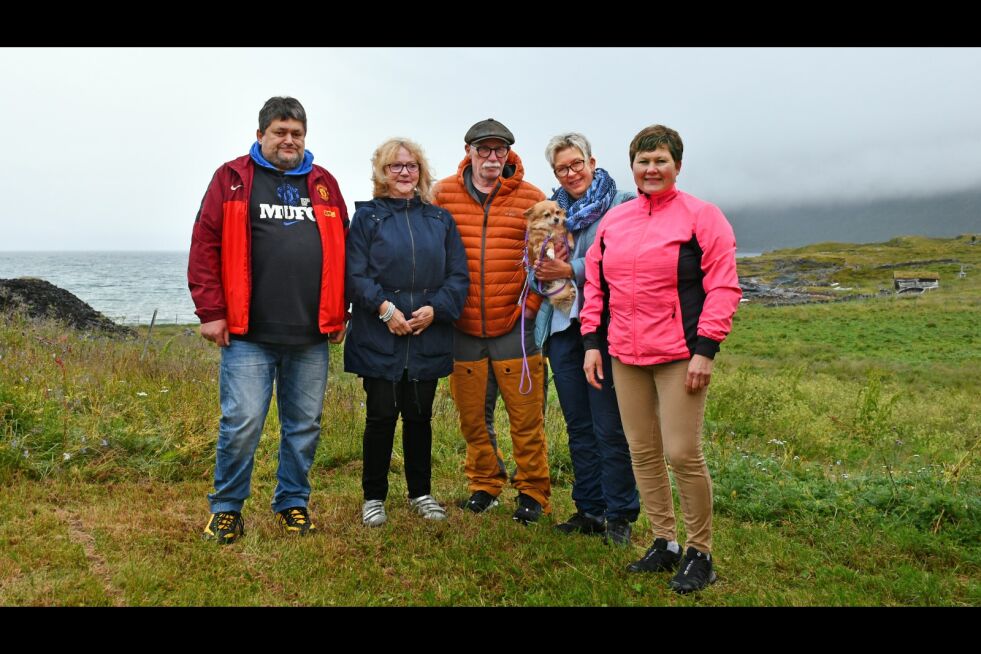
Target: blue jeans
[[604, 478], [246, 384]]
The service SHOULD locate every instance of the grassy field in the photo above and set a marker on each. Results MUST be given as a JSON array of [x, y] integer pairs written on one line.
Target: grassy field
[[843, 440]]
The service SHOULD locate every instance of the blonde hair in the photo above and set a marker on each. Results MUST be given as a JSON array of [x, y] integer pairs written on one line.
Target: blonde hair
[[386, 153]]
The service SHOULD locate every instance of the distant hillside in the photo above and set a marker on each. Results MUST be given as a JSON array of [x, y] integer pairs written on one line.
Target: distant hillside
[[765, 228], [834, 271]]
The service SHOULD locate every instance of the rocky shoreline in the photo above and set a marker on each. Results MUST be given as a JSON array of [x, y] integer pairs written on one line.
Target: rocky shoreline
[[39, 299]]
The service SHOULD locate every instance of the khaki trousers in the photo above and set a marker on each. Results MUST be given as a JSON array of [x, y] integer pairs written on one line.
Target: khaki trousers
[[660, 418]]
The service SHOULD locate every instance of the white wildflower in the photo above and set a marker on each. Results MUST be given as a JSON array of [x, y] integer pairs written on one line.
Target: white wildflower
[[140, 394], [66, 456], [164, 390]]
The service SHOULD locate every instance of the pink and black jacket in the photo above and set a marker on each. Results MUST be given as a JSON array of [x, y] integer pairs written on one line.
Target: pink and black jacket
[[661, 280], [220, 264]]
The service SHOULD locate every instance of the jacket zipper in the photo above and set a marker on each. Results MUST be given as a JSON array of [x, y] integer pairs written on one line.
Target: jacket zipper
[[412, 241], [483, 249]]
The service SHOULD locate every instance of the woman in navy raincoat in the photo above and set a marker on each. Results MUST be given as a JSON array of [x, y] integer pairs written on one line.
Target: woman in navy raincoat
[[407, 281]]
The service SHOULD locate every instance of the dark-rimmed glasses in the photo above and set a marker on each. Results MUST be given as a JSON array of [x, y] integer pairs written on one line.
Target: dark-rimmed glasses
[[396, 168], [575, 167], [484, 151]]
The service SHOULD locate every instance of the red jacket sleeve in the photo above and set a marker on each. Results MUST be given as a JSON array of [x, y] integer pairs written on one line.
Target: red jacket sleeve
[[204, 261]]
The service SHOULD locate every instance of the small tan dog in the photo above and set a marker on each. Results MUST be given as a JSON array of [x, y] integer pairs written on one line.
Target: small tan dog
[[546, 228]]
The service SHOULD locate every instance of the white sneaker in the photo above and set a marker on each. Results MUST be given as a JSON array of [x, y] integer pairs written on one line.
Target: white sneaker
[[373, 513], [428, 507]]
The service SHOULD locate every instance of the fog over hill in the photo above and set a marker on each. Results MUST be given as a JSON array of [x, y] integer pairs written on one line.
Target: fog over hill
[[762, 228]]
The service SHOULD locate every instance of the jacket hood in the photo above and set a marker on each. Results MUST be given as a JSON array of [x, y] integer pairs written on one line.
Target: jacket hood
[[305, 166], [511, 175]]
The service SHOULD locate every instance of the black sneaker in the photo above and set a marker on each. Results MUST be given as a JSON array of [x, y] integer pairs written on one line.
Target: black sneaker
[[695, 573], [658, 559], [296, 520], [224, 527], [582, 523], [479, 502], [618, 532], [528, 511]]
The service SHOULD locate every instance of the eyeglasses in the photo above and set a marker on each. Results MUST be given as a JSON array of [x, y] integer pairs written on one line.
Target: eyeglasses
[[396, 168], [483, 151], [574, 167]]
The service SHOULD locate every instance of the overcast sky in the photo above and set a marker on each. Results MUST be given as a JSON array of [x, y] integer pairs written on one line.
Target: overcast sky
[[113, 148]]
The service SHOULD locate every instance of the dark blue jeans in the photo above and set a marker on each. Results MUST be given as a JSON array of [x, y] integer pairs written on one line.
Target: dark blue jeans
[[604, 483]]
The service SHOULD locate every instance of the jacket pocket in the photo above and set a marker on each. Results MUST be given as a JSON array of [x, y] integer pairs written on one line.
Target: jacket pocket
[[372, 336], [658, 329], [620, 332]]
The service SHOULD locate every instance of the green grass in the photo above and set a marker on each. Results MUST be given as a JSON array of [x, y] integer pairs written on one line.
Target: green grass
[[843, 441]]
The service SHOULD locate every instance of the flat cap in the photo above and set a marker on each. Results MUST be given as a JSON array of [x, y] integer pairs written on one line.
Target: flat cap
[[488, 129]]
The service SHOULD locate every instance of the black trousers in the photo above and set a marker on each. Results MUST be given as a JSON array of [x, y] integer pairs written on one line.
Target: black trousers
[[386, 400]]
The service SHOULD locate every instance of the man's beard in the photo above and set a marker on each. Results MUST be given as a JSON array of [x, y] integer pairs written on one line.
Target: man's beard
[[285, 162]]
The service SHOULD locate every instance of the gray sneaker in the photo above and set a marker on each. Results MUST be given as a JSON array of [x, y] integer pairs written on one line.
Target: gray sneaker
[[428, 507], [373, 513]]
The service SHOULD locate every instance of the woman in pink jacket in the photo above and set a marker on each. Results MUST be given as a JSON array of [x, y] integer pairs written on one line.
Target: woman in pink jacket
[[661, 287]]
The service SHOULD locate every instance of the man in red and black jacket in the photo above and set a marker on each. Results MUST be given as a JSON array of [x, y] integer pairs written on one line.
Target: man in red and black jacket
[[266, 272]]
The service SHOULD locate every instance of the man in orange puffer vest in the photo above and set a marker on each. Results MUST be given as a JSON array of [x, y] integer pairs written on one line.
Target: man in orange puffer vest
[[488, 198]]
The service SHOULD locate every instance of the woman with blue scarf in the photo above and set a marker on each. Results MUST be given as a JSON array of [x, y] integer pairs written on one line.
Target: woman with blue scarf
[[604, 491]]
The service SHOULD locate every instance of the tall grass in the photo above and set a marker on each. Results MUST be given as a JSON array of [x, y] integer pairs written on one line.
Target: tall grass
[[843, 442]]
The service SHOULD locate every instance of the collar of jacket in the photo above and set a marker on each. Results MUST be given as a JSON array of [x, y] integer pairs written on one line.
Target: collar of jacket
[[511, 175], [657, 202], [391, 204]]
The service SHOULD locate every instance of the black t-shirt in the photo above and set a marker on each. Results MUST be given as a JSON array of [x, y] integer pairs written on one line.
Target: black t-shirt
[[287, 261]]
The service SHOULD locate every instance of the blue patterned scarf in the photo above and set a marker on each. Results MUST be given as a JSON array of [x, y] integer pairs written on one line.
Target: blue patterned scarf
[[583, 212]]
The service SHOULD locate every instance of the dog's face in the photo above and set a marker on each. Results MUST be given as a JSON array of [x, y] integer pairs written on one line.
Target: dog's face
[[546, 215]]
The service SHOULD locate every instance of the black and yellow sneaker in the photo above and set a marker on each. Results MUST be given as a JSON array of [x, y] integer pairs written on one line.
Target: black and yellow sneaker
[[224, 527], [296, 520]]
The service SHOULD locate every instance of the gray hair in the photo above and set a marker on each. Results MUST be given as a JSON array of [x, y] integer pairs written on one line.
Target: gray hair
[[563, 141], [281, 108]]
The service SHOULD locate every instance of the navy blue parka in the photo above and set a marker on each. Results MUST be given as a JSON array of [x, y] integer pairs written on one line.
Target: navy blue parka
[[408, 252]]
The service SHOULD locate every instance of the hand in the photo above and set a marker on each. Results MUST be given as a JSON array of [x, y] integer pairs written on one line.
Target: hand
[[336, 338], [397, 323], [593, 367], [549, 270], [215, 331], [561, 250], [421, 318], [699, 373]]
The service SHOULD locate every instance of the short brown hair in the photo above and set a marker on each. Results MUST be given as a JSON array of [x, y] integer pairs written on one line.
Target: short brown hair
[[386, 153], [654, 136], [281, 108]]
